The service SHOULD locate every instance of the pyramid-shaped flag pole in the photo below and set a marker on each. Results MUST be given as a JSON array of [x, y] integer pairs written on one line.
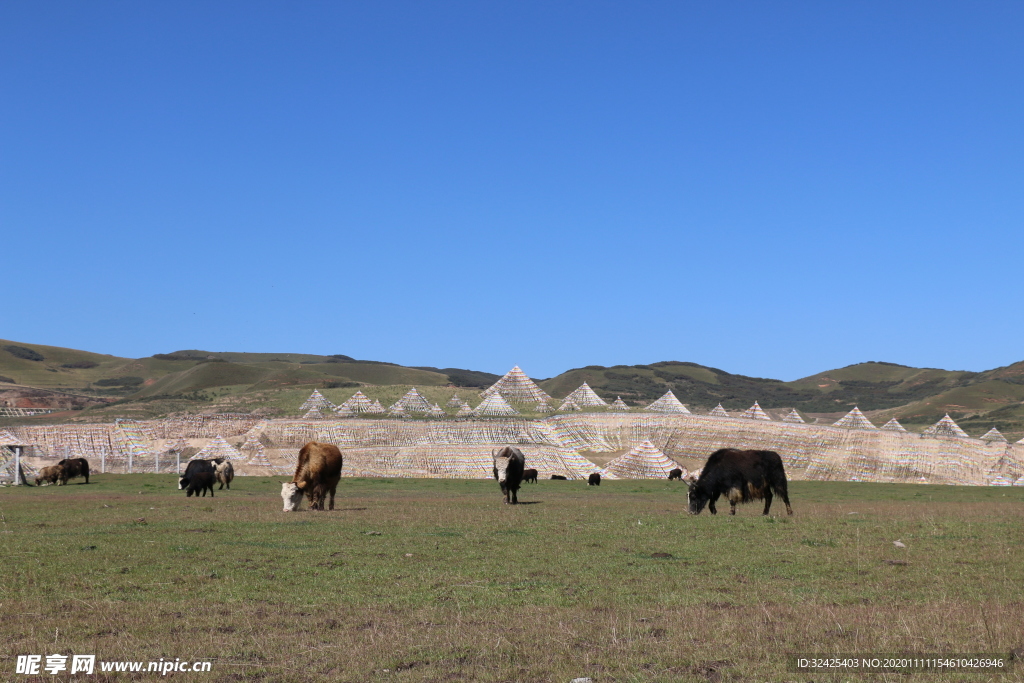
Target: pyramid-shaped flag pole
[[644, 461], [667, 404], [585, 397], [259, 457], [619, 404], [414, 402], [397, 410], [376, 408], [569, 405], [754, 412], [436, 411], [993, 435], [515, 386], [465, 411], [358, 403], [718, 411], [218, 448], [455, 402], [945, 427], [793, 417], [854, 420], [344, 411], [494, 405], [894, 425], [313, 414], [316, 400], [543, 406]]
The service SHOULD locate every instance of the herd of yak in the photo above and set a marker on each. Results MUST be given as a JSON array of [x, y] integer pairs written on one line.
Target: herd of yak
[[740, 476]]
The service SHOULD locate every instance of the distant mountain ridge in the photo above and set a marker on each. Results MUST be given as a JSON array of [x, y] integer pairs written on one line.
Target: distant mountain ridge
[[913, 395]]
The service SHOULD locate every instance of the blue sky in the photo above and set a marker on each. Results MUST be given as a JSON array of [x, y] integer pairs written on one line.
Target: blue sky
[[774, 189]]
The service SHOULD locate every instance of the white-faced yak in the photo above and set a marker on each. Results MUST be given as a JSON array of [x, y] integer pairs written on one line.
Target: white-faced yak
[[741, 476], [509, 463], [316, 476]]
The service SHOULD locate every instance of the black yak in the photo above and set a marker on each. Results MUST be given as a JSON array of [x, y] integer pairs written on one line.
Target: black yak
[[741, 476], [595, 479]]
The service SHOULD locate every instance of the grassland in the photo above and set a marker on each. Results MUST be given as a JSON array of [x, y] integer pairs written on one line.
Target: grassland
[[436, 580]]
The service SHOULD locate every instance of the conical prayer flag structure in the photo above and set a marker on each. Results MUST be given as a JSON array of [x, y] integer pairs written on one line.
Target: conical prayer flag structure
[[376, 408], [313, 414], [218, 448], [455, 402], [569, 404], [718, 411], [585, 397], [946, 427], [436, 411], [414, 402], [1019, 482], [667, 404], [855, 420], [619, 404], [543, 406], [465, 411], [754, 412], [993, 435], [494, 405], [316, 400], [259, 457], [358, 403], [515, 386], [644, 461], [894, 425], [397, 410], [793, 417]]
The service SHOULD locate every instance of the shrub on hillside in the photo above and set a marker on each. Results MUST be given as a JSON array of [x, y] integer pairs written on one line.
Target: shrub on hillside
[[340, 385], [23, 353], [82, 364], [120, 382]]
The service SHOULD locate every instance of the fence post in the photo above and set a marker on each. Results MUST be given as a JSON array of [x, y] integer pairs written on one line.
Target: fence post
[[17, 465]]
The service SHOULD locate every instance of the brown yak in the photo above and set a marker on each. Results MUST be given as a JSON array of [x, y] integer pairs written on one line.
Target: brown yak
[[316, 476], [52, 474]]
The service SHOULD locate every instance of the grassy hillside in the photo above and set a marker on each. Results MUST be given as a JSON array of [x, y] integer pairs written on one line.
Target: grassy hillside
[[276, 383]]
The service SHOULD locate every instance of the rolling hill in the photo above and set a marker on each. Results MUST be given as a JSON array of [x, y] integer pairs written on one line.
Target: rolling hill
[[191, 380]]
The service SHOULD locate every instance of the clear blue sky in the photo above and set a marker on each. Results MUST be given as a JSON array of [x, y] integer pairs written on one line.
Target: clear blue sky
[[771, 188]]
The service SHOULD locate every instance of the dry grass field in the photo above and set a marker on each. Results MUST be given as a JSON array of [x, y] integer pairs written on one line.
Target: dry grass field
[[437, 580]]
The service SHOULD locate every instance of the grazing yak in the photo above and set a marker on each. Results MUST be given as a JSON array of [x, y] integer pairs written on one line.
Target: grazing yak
[[595, 479], [200, 481], [74, 467], [530, 475], [316, 476], [223, 472], [558, 477], [509, 463], [741, 476], [193, 468], [51, 475], [675, 474]]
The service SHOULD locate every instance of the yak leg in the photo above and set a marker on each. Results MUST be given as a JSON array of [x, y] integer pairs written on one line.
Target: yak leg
[[711, 505], [333, 489], [767, 500], [515, 499], [732, 508], [785, 499]]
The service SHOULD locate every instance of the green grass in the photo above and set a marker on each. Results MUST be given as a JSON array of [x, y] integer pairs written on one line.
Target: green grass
[[437, 580]]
